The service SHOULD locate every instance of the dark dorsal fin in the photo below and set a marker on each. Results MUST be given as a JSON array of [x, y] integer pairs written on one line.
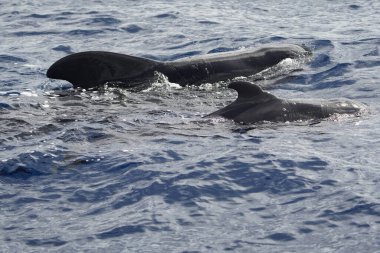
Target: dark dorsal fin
[[249, 95], [89, 69], [249, 92]]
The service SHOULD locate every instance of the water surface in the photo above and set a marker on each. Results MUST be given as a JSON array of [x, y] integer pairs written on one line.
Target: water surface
[[116, 171]]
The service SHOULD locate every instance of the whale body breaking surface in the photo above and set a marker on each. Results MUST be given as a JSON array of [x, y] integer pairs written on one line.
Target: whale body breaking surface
[[93, 68], [255, 105]]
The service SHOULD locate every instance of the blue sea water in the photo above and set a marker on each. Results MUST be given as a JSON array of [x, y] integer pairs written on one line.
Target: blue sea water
[[116, 171]]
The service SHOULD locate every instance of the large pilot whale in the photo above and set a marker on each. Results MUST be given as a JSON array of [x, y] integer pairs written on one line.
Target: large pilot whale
[[255, 105], [94, 68]]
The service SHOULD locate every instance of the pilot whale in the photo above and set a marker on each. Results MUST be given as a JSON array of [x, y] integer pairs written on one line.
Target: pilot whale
[[255, 105], [94, 68]]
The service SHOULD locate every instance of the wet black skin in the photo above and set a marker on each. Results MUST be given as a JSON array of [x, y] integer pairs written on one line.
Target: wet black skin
[[94, 68], [254, 105]]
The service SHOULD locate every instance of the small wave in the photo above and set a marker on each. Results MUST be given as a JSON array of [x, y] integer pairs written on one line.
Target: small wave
[[374, 52], [132, 28], [55, 242], [63, 16], [191, 43], [14, 122], [366, 64], [282, 237], [66, 13], [273, 39], [372, 209], [354, 7], [9, 58], [276, 38], [320, 61], [104, 21], [82, 32], [183, 55], [5, 106], [34, 33], [182, 45], [120, 231], [207, 22], [209, 40], [241, 39], [168, 15], [320, 44], [220, 50], [331, 84], [84, 134], [39, 16], [338, 70], [62, 48], [367, 41], [10, 93], [27, 165], [313, 163]]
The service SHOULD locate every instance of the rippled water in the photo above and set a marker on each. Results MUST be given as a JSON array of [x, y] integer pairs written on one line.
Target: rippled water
[[116, 171]]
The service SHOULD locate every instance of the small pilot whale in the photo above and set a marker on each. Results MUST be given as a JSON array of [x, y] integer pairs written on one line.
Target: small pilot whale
[[94, 68], [255, 105]]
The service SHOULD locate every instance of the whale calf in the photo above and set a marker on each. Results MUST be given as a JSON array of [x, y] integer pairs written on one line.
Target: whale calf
[[255, 105], [94, 68]]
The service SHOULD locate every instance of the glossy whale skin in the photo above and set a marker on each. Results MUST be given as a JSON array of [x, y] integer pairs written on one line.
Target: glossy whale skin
[[94, 68], [255, 105]]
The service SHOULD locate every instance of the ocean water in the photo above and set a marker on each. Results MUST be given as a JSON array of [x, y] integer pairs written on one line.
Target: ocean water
[[111, 170]]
